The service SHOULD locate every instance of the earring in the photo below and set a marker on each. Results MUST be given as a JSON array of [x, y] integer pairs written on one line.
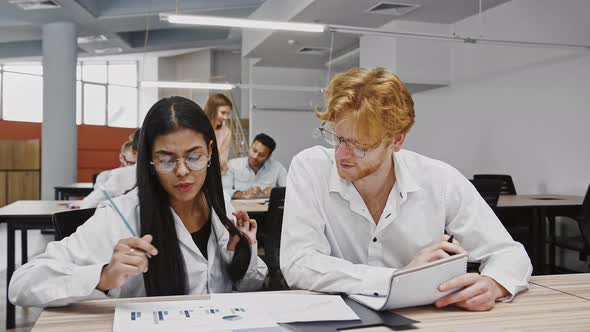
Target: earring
[[209, 163]]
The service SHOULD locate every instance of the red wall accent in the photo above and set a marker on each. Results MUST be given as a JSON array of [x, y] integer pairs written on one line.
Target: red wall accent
[[98, 149], [98, 146]]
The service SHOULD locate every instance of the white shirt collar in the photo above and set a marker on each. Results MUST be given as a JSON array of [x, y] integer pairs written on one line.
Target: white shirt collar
[[404, 178]]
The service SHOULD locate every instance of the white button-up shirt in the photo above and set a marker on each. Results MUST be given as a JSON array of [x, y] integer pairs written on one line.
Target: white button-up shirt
[[70, 269], [241, 177], [115, 182], [330, 242]]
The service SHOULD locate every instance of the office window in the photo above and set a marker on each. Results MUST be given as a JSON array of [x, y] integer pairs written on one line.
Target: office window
[[96, 73], [122, 106], [94, 105], [107, 93], [78, 102], [22, 97]]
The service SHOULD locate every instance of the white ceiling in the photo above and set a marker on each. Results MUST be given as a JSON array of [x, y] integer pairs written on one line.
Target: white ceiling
[[124, 22], [275, 51]]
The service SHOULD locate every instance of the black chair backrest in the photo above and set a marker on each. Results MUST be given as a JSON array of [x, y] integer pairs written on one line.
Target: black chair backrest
[[94, 176], [274, 216], [507, 184], [585, 222], [489, 190], [67, 222]]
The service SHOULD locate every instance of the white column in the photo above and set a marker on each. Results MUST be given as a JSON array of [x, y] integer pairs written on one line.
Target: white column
[[59, 132]]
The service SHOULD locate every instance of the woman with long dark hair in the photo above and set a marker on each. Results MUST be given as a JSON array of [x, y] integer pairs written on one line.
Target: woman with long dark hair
[[170, 236]]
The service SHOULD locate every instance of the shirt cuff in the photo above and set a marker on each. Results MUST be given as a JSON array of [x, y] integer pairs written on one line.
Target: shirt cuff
[[504, 282], [85, 279], [377, 282]]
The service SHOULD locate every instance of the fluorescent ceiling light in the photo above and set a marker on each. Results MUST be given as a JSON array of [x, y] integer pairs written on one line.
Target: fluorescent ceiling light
[[92, 39], [241, 23], [187, 85], [108, 50]]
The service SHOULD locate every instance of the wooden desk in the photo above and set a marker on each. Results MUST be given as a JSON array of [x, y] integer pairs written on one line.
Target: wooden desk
[[575, 284], [259, 205], [540, 206], [539, 309], [24, 215], [73, 190]]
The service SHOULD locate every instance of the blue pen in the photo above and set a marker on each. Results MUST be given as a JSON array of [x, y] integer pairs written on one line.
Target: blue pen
[[119, 212]]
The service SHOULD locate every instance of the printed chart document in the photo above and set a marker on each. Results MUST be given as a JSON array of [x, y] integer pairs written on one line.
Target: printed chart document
[[198, 315], [417, 286], [291, 308], [231, 312]]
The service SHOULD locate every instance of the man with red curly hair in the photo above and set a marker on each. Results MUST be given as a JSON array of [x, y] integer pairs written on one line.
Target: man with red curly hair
[[357, 213]]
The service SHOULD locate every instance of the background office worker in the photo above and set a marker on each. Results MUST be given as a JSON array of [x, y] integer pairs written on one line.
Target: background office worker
[[355, 214], [218, 109], [180, 214], [116, 181], [257, 174]]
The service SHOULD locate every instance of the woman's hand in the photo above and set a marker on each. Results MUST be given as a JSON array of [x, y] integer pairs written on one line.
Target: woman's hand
[[435, 251], [246, 226], [130, 258]]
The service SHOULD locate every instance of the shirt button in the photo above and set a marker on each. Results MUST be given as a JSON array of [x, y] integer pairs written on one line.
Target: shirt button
[[374, 239], [376, 294]]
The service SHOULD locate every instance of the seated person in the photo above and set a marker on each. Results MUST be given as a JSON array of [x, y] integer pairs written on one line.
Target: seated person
[[255, 176], [185, 242], [356, 213], [119, 180]]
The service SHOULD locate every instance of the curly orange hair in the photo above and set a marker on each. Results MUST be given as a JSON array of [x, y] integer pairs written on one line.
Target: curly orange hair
[[377, 100]]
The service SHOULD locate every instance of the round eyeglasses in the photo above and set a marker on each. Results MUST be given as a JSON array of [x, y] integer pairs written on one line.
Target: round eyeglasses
[[356, 149], [194, 162]]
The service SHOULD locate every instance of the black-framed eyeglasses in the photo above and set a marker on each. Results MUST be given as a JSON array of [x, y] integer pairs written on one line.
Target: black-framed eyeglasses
[[195, 161], [356, 149]]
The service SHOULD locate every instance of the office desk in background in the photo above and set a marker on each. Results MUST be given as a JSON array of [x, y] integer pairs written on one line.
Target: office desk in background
[[541, 206], [79, 189], [23, 216], [539, 309], [259, 205]]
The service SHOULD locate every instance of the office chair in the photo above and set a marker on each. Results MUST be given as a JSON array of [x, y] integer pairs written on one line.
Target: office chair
[[67, 222], [507, 187], [272, 227], [580, 242], [94, 176], [489, 189], [516, 221]]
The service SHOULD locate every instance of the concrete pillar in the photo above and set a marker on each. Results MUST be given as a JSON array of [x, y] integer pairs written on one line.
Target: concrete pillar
[[59, 132]]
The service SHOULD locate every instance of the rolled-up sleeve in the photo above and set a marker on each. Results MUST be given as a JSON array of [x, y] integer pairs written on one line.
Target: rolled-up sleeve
[[69, 270], [471, 220]]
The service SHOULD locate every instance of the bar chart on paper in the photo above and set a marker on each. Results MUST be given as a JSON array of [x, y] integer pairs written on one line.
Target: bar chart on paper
[[201, 315]]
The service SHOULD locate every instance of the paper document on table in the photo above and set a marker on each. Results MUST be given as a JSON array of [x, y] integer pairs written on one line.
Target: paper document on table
[[290, 308], [198, 315]]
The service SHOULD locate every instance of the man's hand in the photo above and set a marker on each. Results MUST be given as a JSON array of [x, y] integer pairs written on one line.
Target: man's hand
[[250, 193], [435, 251], [479, 292]]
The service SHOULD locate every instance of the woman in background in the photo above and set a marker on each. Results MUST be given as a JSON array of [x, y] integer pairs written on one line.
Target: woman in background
[[218, 109]]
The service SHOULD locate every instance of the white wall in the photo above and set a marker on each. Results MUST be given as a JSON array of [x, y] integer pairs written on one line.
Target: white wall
[[292, 130], [191, 67], [515, 110]]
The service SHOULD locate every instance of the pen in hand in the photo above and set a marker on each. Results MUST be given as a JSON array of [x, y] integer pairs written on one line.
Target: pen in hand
[[451, 241]]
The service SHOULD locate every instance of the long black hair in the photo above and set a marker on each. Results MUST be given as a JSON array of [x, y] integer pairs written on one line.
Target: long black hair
[[167, 271]]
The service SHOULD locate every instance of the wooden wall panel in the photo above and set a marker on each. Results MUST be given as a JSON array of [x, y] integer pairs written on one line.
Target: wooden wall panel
[[26, 155], [6, 148], [3, 188], [23, 186]]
